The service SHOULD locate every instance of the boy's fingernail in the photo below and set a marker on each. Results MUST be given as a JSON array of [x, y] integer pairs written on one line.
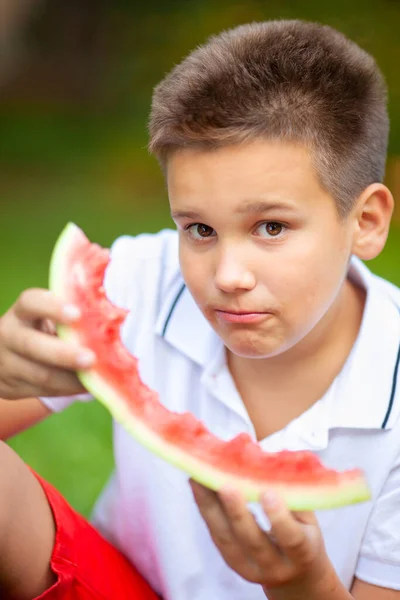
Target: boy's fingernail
[[270, 500], [86, 358], [71, 312]]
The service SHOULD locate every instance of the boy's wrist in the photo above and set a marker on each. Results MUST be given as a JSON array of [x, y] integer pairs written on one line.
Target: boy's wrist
[[325, 587]]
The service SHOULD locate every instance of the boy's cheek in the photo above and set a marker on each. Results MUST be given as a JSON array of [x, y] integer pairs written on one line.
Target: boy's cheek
[[198, 277]]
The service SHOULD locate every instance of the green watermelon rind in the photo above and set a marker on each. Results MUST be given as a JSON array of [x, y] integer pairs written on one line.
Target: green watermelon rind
[[301, 497]]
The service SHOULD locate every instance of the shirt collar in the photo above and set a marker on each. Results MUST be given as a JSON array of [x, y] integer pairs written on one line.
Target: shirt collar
[[181, 323], [363, 393], [365, 389]]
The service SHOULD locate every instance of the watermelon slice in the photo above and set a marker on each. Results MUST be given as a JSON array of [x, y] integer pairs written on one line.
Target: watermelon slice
[[76, 274]]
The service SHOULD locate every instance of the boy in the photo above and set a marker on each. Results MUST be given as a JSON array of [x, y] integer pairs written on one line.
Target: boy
[[273, 141]]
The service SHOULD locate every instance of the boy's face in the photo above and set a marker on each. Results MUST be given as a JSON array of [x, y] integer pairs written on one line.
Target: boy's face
[[262, 248]]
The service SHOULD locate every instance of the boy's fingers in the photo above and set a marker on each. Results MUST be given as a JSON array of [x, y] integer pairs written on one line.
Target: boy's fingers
[[306, 517], [290, 535], [34, 304], [247, 532], [49, 350], [212, 512], [47, 326], [55, 382], [33, 379]]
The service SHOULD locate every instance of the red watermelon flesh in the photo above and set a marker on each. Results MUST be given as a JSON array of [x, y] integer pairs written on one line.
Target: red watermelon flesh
[[77, 274]]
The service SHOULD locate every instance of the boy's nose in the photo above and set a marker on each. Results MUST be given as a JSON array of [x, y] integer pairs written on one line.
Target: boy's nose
[[232, 274]]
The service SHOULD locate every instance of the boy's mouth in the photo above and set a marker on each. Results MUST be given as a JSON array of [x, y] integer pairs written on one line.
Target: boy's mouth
[[241, 316]]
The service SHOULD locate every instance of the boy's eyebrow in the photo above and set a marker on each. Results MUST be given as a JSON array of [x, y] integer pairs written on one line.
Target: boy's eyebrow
[[182, 214], [261, 206], [253, 207]]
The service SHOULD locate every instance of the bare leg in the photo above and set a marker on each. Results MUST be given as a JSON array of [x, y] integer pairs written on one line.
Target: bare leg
[[27, 531]]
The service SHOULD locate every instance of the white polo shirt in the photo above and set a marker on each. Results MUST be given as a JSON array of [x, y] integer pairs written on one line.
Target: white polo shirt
[[147, 509]]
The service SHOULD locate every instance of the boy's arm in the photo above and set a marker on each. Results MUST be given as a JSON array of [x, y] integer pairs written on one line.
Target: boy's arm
[[366, 591], [18, 416], [360, 590]]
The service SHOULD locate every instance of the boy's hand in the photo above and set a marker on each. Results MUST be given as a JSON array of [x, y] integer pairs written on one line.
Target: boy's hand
[[33, 361], [289, 562]]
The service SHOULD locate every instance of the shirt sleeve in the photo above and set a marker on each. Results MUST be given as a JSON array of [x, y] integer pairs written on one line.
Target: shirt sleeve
[[137, 263], [59, 403], [379, 559]]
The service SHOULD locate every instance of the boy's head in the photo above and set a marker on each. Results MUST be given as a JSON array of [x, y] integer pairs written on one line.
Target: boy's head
[[280, 80], [273, 138]]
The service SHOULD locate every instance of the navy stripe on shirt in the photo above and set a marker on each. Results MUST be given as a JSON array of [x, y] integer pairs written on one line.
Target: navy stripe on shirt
[[394, 386], [393, 392], [171, 310]]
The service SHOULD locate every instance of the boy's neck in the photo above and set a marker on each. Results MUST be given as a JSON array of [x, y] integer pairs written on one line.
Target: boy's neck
[[278, 389]]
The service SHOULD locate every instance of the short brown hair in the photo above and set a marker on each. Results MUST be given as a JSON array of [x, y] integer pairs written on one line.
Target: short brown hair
[[288, 80]]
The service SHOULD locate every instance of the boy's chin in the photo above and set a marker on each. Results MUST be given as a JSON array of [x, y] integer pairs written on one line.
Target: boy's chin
[[256, 349]]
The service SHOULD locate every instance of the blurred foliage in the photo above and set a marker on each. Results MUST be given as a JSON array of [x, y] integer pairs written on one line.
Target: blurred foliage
[[89, 68], [74, 102]]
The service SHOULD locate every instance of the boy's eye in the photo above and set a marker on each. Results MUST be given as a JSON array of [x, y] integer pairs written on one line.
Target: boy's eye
[[200, 231], [270, 229]]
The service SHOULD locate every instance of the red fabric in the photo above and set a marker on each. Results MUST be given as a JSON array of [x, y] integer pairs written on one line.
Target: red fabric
[[87, 566]]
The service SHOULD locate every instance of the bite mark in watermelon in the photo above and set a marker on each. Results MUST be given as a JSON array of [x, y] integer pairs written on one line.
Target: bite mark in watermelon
[[76, 274]]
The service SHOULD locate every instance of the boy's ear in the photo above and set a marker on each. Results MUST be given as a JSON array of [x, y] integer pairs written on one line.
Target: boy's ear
[[372, 214]]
